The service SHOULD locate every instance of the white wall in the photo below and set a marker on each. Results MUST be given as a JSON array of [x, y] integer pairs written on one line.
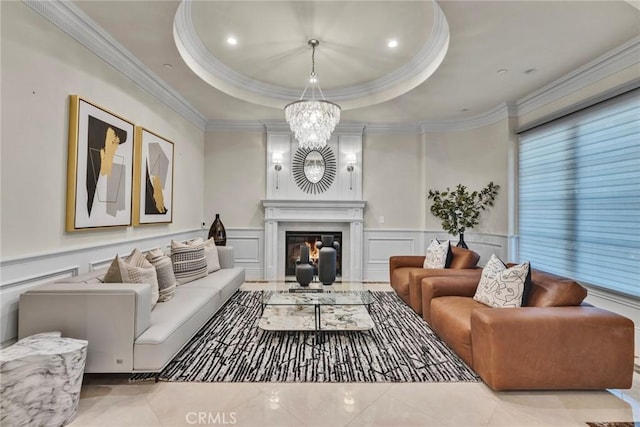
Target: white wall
[[41, 67], [472, 158], [234, 178], [393, 183]]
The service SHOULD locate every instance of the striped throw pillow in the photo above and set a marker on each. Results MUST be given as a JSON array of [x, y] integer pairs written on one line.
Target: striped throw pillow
[[210, 252], [189, 262], [164, 270]]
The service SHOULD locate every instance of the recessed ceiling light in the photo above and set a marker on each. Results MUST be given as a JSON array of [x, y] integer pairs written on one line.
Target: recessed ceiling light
[[392, 43], [530, 71], [167, 66], [232, 40], [502, 71], [464, 110]]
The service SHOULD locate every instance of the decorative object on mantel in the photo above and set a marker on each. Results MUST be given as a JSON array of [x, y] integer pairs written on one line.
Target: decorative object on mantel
[[218, 232], [459, 209], [312, 120], [314, 170], [304, 267], [41, 380], [327, 259]]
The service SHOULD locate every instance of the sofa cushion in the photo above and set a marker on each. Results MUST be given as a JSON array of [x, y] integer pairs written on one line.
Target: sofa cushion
[[501, 286], [451, 320], [164, 270], [189, 262], [549, 290], [226, 281], [437, 255], [172, 325], [463, 258]]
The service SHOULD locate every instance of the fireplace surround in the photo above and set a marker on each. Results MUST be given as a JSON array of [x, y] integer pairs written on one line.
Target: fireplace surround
[[339, 216]]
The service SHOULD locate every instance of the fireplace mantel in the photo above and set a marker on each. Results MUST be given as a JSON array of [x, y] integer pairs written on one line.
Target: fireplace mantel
[[279, 213]]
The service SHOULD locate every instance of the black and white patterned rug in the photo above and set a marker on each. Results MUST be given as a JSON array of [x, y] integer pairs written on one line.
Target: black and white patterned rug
[[231, 348]]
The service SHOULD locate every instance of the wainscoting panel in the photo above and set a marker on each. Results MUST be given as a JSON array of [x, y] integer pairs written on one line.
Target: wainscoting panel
[[482, 243], [248, 249], [379, 245], [382, 244], [19, 274]]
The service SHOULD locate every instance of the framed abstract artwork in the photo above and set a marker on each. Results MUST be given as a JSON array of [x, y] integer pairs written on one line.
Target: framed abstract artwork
[[153, 179], [99, 167]]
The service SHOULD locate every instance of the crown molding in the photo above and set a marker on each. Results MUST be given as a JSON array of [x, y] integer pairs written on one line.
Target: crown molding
[[494, 115], [349, 129], [75, 23], [282, 127], [624, 56], [235, 126], [392, 128]]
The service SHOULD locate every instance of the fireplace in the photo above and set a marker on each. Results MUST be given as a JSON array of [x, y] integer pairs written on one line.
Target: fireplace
[[293, 241]]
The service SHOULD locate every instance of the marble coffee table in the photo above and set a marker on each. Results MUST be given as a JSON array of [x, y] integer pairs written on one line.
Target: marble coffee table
[[339, 307]]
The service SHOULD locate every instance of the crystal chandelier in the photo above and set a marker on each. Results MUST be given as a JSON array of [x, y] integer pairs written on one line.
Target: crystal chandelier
[[312, 120]]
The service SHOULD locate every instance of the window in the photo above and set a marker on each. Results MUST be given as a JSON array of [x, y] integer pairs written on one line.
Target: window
[[579, 195]]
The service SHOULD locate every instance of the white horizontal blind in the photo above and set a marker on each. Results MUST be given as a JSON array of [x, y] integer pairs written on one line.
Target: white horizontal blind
[[579, 195]]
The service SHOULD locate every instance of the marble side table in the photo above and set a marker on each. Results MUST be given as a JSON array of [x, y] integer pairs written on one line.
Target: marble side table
[[40, 380]]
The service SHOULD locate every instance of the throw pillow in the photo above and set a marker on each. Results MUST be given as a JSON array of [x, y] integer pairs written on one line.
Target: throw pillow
[[189, 262], [164, 270], [134, 269], [437, 254], [210, 252], [501, 286]]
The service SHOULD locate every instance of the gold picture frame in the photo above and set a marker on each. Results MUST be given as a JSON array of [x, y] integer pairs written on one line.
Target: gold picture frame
[[99, 167], [152, 178]]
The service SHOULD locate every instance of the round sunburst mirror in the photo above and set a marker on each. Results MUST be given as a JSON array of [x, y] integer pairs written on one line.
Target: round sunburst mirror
[[314, 170]]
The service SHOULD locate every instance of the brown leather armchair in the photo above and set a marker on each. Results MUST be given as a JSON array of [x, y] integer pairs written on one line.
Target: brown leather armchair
[[406, 273]]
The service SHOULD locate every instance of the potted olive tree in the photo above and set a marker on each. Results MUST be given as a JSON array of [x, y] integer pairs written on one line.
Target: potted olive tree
[[460, 209]]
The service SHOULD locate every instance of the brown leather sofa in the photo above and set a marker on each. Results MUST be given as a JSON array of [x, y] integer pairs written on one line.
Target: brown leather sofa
[[406, 273], [556, 342]]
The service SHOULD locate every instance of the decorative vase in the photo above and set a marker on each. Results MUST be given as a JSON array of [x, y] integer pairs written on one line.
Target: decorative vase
[[461, 243], [218, 232], [327, 259], [304, 267]]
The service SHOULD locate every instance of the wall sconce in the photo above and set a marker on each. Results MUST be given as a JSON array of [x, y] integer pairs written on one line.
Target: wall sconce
[[351, 162], [276, 158]]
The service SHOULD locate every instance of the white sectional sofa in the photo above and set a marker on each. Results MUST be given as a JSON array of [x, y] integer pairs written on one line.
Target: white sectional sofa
[[124, 334]]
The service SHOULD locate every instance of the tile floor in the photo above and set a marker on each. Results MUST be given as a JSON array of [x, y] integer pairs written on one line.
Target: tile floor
[[109, 400]]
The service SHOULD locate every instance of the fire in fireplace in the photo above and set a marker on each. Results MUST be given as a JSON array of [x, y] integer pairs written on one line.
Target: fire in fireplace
[[296, 238]]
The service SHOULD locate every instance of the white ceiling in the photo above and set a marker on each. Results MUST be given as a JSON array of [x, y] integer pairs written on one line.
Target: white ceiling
[[552, 38]]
